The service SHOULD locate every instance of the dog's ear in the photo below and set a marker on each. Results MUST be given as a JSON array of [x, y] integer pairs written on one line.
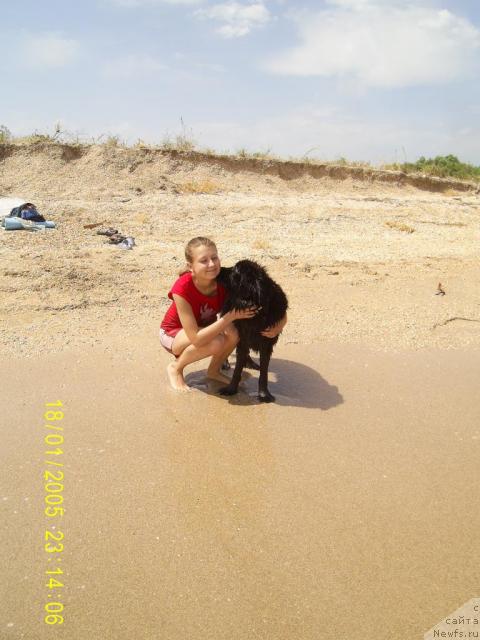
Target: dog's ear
[[224, 275], [263, 290], [247, 282]]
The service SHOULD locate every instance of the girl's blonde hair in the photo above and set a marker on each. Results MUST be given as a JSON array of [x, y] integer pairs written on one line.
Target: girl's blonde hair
[[193, 244]]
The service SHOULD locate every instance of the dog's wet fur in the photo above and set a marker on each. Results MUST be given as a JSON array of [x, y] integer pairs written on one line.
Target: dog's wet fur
[[249, 285]]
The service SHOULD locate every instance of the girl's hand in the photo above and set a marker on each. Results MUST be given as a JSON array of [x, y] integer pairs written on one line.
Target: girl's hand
[[243, 314], [275, 329], [271, 332]]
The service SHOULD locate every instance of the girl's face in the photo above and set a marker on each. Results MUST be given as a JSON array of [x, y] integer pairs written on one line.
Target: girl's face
[[205, 263]]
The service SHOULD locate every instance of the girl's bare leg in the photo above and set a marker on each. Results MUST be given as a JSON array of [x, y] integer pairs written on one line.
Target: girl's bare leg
[[230, 342], [189, 354]]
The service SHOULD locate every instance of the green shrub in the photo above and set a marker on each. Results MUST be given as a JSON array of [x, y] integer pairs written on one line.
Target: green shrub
[[5, 134], [442, 166]]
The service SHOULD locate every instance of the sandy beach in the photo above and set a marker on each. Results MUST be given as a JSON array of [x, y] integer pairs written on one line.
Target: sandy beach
[[344, 510]]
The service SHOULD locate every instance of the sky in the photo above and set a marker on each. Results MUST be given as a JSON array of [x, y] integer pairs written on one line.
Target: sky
[[367, 80]]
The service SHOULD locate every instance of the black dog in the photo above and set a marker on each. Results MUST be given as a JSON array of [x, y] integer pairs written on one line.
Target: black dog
[[249, 285]]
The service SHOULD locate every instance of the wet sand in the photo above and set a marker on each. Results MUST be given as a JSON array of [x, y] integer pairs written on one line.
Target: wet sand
[[347, 509]]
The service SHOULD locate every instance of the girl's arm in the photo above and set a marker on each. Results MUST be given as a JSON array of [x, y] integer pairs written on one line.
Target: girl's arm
[[201, 336], [275, 329]]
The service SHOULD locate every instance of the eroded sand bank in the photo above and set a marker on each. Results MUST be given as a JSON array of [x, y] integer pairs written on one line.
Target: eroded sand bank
[[360, 259]]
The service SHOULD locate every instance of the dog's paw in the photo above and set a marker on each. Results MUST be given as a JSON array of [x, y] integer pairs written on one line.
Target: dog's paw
[[266, 396], [228, 391]]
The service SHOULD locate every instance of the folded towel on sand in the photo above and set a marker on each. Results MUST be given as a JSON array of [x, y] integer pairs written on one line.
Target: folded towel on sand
[[17, 224]]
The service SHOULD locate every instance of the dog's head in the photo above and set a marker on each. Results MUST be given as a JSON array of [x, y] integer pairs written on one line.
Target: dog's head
[[224, 276], [247, 281]]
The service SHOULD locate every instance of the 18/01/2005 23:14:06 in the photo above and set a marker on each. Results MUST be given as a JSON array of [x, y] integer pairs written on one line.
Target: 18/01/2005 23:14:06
[[53, 479]]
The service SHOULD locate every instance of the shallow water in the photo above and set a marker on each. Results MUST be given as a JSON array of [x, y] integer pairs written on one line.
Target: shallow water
[[344, 510]]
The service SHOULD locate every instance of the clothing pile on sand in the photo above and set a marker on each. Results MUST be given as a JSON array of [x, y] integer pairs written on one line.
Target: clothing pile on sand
[[16, 214], [114, 237], [23, 215]]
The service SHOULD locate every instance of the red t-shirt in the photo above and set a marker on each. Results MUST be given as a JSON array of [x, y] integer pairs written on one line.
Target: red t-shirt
[[205, 308]]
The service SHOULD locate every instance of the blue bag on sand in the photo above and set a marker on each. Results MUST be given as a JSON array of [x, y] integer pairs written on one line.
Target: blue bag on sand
[[26, 211], [26, 216], [32, 214]]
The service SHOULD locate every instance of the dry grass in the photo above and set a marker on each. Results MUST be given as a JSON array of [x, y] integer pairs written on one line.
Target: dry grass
[[199, 186], [254, 155], [113, 141], [260, 243], [399, 226], [142, 218], [442, 224]]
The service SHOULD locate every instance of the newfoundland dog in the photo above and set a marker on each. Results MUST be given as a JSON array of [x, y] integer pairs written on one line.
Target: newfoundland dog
[[249, 285]]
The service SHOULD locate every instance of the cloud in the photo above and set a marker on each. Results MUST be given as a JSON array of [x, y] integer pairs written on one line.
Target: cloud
[[238, 19], [152, 3], [48, 50], [382, 44], [133, 65], [361, 4], [353, 4]]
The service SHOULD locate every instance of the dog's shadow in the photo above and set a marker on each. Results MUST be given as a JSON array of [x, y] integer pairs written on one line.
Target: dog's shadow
[[293, 385]]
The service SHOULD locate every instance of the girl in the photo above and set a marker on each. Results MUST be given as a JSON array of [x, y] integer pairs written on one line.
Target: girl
[[190, 330]]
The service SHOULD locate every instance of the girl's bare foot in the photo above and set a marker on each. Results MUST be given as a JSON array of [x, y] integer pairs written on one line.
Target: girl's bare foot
[[216, 375], [176, 379]]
